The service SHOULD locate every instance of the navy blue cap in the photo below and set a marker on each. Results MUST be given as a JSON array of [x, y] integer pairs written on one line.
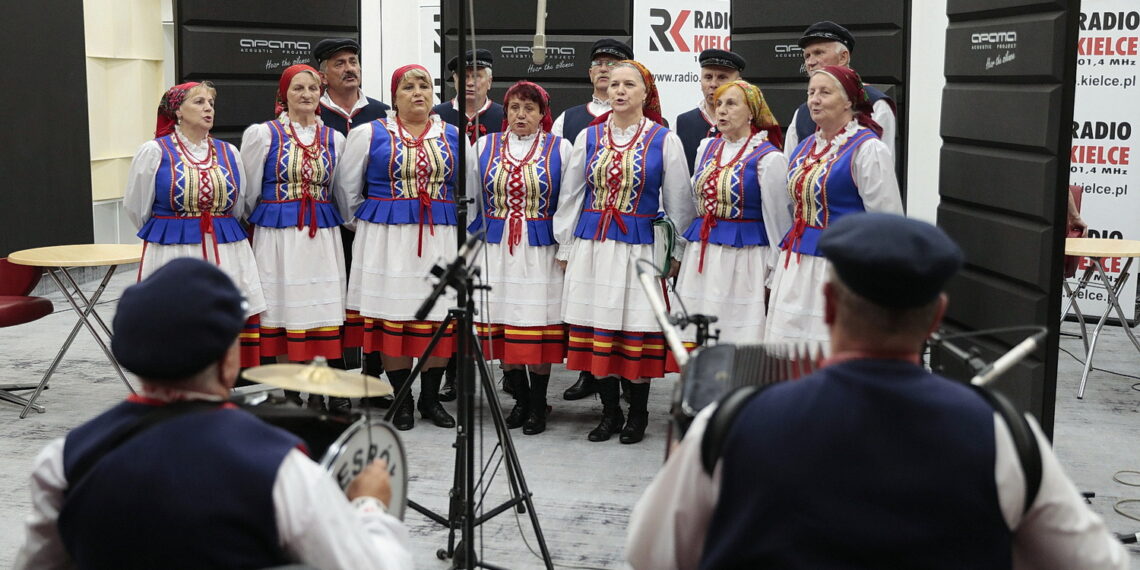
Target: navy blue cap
[[721, 58], [891, 260], [329, 46], [611, 47], [827, 31], [481, 58], [179, 320]]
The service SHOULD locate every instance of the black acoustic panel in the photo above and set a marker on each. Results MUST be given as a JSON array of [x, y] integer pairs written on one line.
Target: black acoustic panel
[[1027, 116], [991, 51], [47, 174], [982, 176], [749, 15], [326, 14], [243, 102], [567, 57], [210, 53], [565, 95], [977, 232], [959, 9], [1004, 304], [779, 57], [600, 18], [1018, 383]]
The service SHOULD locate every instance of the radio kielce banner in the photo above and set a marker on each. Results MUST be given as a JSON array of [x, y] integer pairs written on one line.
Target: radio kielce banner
[[668, 36], [1104, 117]]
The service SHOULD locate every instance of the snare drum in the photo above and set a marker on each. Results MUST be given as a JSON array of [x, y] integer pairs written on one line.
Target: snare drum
[[362, 442]]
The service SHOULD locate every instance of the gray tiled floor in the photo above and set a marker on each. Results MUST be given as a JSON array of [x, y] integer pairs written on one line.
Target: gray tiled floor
[[582, 491]]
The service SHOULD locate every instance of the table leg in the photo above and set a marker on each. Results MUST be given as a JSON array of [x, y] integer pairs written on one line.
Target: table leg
[[7, 396], [83, 320], [94, 296], [1082, 284], [1113, 303]]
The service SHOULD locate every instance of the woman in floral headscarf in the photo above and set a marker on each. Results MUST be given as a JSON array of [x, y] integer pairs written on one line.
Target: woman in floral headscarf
[[289, 163], [625, 171], [739, 186], [521, 169], [843, 169], [183, 191]]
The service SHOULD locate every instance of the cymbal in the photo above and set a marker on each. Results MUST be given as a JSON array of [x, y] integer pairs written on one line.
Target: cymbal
[[319, 379]]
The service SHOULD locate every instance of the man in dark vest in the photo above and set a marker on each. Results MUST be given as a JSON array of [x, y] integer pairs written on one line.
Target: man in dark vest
[[872, 461], [177, 477], [476, 84], [605, 53], [717, 68], [828, 43], [343, 106]]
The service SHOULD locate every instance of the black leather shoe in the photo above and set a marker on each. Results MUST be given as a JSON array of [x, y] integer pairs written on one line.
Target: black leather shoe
[[437, 415], [611, 423], [316, 402], [585, 386], [340, 406], [536, 421], [447, 392], [634, 429], [404, 420], [383, 402], [518, 415]]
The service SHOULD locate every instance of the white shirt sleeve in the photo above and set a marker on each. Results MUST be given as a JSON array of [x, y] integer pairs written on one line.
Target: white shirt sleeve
[[318, 526], [668, 525], [348, 179], [254, 149], [791, 137], [570, 197], [239, 210], [1060, 530], [881, 112], [556, 127], [338, 197], [677, 189], [43, 547], [873, 169], [775, 204], [138, 198]]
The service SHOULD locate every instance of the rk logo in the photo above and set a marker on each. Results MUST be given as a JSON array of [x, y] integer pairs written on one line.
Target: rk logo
[[668, 29]]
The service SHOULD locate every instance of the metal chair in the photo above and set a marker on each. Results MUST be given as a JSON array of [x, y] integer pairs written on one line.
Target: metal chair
[[17, 308]]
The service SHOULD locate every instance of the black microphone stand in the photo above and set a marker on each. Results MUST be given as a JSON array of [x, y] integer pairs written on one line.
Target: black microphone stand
[[464, 504]]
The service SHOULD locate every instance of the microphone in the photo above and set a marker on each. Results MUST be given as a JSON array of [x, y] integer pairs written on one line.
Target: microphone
[[538, 50], [447, 275]]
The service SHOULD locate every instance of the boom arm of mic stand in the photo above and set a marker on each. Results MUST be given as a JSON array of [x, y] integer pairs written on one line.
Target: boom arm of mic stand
[[672, 338], [454, 271], [1008, 360]]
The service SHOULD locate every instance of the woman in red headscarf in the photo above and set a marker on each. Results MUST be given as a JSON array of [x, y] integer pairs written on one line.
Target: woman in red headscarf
[[289, 163], [183, 193], [520, 173], [400, 174], [626, 171], [739, 220], [843, 169]]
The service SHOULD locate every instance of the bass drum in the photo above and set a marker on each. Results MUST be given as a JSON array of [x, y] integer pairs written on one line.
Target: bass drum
[[362, 442]]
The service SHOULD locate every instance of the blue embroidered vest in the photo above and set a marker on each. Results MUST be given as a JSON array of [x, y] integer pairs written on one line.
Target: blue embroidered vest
[[189, 202], [821, 192], [535, 199], [392, 187], [624, 208], [286, 200], [863, 464], [731, 212], [193, 491]]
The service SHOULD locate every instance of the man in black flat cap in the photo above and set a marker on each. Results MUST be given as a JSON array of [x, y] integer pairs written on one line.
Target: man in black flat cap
[[872, 461], [604, 54], [717, 68], [827, 43], [344, 104], [177, 477], [476, 84]]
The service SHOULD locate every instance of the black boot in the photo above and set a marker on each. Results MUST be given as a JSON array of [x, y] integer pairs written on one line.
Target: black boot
[[625, 384], [374, 366], [536, 420], [516, 379], [447, 393], [634, 429], [338, 405], [585, 386], [430, 408], [403, 418], [612, 418]]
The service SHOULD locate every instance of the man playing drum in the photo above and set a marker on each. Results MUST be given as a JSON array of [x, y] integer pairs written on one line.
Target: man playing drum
[[177, 477]]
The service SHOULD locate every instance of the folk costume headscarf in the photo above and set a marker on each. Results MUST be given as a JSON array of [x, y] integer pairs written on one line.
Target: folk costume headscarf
[[530, 92], [168, 105], [762, 118], [852, 84], [651, 107], [282, 102]]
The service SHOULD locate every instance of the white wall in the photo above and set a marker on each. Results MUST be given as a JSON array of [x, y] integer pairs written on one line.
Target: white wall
[[924, 100], [391, 34]]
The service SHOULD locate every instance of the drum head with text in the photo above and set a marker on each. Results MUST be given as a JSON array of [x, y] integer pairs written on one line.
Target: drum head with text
[[362, 442]]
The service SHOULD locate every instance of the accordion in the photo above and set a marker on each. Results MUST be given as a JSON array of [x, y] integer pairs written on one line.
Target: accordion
[[714, 371]]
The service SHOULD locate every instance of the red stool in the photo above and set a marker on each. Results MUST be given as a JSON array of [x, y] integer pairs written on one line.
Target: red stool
[[17, 308]]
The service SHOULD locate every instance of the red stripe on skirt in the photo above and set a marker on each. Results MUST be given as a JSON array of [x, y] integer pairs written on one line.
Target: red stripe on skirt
[[251, 342], [302, 345], [626, 354], [523, 345], [353, 329], [406, 338]]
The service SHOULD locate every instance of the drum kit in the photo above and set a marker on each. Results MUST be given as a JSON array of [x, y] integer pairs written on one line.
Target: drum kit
[[342, 446]]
